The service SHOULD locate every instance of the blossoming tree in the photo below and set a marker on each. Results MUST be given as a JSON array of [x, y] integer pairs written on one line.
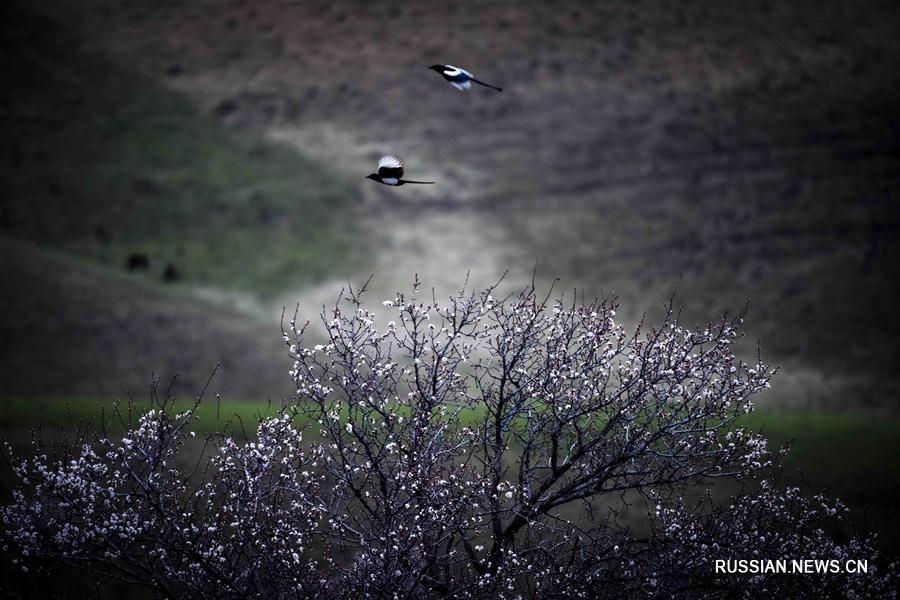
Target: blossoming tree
[[482, 447]]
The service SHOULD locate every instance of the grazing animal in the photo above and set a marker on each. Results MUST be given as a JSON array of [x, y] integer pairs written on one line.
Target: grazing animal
[[460, 78], [138, 262], [390, 172], [171, 273]]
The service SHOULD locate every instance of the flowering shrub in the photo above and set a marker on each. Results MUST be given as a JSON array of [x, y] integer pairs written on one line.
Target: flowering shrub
[[478, 448]]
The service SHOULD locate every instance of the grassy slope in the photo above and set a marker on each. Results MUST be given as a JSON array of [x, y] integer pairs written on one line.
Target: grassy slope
[[98, 163], [856, 456], [103, 163], [72, 328], [848, 456]]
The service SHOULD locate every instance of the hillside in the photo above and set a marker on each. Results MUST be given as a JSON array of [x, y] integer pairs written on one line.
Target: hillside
[[104, 163], [102, 168], [736, 153], [73, 330]]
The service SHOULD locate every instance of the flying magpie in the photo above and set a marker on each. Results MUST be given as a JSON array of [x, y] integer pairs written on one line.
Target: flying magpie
[[460, 78], [390, 171]]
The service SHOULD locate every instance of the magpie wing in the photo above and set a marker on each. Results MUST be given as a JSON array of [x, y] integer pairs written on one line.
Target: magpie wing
[[390, 166], [456, 75]]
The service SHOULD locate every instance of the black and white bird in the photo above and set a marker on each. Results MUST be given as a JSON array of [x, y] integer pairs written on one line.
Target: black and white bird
[[460, 78], [390, 172]]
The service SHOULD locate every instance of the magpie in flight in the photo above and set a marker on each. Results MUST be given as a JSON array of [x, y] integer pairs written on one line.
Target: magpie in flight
[[390, 172], [460, 78]]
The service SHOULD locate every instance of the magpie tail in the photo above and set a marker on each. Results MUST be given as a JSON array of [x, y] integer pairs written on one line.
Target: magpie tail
[[493, 87], [421, 182]]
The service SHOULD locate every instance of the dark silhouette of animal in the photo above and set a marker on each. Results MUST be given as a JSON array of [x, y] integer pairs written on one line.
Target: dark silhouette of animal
[[171, 273], [138, 262]]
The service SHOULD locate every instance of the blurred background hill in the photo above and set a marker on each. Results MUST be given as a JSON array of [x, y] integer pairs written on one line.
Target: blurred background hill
[[736, 152]]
